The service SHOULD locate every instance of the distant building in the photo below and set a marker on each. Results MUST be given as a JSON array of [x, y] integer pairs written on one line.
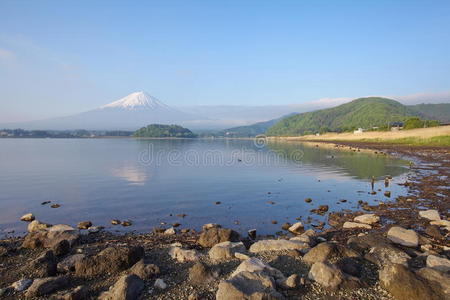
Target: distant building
[[358, 131]]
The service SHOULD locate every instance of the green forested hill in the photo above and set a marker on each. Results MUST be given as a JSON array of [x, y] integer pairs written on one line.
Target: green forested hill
[[158, 130], [440, 112], [251, 130], [363, 112]]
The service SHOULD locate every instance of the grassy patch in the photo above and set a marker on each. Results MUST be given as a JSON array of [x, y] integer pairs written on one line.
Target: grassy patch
[[443, 140]]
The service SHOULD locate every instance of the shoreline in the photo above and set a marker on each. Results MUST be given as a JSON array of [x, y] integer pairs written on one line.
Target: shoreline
[[428, 189]]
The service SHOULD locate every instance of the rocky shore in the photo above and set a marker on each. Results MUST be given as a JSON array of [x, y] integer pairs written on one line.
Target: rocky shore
[[393, 250]]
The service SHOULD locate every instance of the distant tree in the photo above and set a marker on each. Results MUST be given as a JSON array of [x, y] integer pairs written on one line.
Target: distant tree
[[159, 130]]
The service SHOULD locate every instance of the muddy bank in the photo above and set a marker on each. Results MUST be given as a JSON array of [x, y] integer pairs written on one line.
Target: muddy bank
[[395, 250]]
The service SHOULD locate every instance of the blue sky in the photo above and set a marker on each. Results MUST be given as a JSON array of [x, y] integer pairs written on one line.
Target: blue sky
[[62, 57]]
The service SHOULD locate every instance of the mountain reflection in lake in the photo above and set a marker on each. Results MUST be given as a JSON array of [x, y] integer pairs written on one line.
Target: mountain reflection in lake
[[151, 181]]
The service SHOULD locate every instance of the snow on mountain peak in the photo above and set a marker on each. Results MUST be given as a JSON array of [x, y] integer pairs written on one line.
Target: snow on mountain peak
[[137, 100]]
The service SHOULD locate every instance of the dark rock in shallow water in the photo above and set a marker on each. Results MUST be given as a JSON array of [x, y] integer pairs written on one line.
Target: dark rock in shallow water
[[212, 236], [115, 222], [55, 205], [110, 260], [252, 234], [84, 225]]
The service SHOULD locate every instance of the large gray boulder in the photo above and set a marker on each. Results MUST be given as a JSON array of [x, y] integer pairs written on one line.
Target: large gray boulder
[[387, 255], [248, 286], [226, 250], [50, 237], [404, 237], [404, 284], [278, 245], [326, 275], [184, 255], [110, 260]]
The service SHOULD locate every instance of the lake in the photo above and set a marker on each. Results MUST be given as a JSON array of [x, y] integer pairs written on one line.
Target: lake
[[152, 181]]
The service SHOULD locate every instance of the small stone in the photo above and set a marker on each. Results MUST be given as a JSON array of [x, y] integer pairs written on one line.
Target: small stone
[[212, 236], [225, 250], [22, 284], [55, 205], [274, 222], [297, 228], [367, 219], [241, 256], [217, 202], [210, 225], [126, 223], [430, 214], [182, 255], [84, 225], [441, 223], [176, 224], [35, 225], [308, 200], [160, 284], [402, 236], [438, 263], [170, 231], [27, 218], [115, 222], [353, 225], [285, 226], [95, 229], [387, 194], [290, 282], [185, 230]]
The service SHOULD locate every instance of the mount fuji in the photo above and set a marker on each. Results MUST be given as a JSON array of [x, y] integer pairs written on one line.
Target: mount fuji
[[129, 113]]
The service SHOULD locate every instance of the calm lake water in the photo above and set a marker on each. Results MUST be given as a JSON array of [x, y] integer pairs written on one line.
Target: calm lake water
[[151, 181]]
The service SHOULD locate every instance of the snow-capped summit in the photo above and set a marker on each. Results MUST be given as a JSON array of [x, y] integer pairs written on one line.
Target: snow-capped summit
[[137, 100]]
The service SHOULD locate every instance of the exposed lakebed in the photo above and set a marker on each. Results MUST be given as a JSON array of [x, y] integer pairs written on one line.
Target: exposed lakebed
[[153, 181]]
